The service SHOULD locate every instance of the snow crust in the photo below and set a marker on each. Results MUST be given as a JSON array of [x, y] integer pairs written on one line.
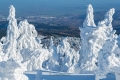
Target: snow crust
[[99, 53]]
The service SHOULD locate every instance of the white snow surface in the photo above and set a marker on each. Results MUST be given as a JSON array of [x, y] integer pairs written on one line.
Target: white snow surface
[[99, 52]]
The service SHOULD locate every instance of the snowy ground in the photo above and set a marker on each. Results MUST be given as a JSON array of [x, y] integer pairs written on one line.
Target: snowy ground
[[49, 75], [110, 76]]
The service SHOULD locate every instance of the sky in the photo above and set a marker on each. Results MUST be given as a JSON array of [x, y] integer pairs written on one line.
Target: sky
[[55, 6]]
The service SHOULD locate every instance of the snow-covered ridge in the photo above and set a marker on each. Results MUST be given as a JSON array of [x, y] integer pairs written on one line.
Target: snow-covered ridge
[[21, 50]]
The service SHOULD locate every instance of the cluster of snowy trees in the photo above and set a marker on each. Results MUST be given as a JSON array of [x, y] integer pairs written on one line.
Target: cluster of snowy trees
[[99, 45], [21, 50]]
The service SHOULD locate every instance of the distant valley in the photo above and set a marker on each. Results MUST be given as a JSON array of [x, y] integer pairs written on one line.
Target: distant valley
[[67, 25]]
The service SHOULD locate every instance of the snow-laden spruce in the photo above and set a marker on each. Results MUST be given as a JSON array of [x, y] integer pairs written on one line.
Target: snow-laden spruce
[[99, 49], [27, 37], [108, 61], [9, 46], [20, 50], [62, 58], [10, 65], [88, 54]]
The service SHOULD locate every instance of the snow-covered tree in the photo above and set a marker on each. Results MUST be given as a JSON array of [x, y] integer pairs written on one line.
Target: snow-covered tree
[[10, 41], [107, 59], [28, 34], [88, 56], [52, 62], [99, 45], [68, 57]]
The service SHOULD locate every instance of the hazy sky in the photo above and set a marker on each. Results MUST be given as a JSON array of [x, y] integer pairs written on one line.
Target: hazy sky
[[61, 1], [41, 6]]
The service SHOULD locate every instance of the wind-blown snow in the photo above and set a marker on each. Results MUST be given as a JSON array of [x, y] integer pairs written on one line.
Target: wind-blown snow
[[21, 50]]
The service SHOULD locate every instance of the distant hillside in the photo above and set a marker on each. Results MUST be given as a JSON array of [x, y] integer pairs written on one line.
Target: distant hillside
[[61, 30], [46, 29]]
